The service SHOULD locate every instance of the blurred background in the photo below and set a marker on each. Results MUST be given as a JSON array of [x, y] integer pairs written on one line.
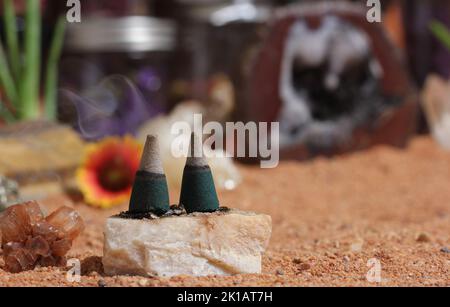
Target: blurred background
[[336, 82]]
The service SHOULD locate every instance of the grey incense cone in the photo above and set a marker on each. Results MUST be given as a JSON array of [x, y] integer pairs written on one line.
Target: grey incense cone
[[198, 192], [150, 192]]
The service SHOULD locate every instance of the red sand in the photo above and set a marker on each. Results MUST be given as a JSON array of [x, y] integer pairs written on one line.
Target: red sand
[[329, 218]]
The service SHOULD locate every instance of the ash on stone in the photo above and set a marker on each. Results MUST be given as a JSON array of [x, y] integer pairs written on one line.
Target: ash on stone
[[137, 216], [29, 239], [175, 210]]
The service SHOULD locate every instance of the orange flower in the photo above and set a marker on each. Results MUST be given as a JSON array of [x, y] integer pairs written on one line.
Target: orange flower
[[106, 176]]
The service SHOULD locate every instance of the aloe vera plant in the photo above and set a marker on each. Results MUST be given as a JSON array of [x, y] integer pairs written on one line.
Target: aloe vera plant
[[441, 32], [20, 70]]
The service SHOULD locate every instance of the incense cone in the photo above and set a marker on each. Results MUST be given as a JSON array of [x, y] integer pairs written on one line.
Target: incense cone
[[150, 192], [198, 192]]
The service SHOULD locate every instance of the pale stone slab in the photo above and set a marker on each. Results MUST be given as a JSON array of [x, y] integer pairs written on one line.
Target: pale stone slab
[[199, 244]]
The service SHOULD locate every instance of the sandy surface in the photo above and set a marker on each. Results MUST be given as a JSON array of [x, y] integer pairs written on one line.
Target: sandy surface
[[329, 218]]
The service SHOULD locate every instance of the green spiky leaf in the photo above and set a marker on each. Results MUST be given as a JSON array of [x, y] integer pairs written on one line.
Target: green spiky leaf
[[12, 41], [441, 32], [29, 91], [6, 80], [51, 81]]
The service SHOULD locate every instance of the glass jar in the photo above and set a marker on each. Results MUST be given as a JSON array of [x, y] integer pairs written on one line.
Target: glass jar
[[114, 73], [218, 40]]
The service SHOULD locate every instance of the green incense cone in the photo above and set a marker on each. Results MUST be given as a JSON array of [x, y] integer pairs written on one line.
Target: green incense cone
[[198, 192], [150, 192]]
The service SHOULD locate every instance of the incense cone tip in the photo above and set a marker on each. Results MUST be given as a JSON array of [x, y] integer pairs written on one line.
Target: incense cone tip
[[196, 156], [151, 161]]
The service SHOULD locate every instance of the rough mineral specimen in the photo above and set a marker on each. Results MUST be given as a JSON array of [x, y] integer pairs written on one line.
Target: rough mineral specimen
[[30, 239], [200, 244]]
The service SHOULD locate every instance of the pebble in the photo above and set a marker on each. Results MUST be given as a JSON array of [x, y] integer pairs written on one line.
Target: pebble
[[143, 282], [445, 250], [280, 272], [330, 255], [297, 261], [356, 247], [101, 283], [423, 238], [304, 267]]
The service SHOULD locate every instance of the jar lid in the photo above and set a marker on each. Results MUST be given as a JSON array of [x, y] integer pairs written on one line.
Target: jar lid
[[123, 34], [222, 12]]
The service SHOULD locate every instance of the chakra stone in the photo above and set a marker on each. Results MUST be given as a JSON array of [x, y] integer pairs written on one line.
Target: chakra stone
[[15, 224], [51, 261], [33, 211], [61, 247], [12, 246], [38, 245], [29, 239], [47, 231], [67, 220], [19, 260]]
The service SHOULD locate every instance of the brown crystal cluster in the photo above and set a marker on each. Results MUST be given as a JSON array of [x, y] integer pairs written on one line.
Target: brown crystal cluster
[[30, 239]]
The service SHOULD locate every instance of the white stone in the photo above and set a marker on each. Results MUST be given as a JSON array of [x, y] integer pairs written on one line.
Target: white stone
[[198, 244]]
